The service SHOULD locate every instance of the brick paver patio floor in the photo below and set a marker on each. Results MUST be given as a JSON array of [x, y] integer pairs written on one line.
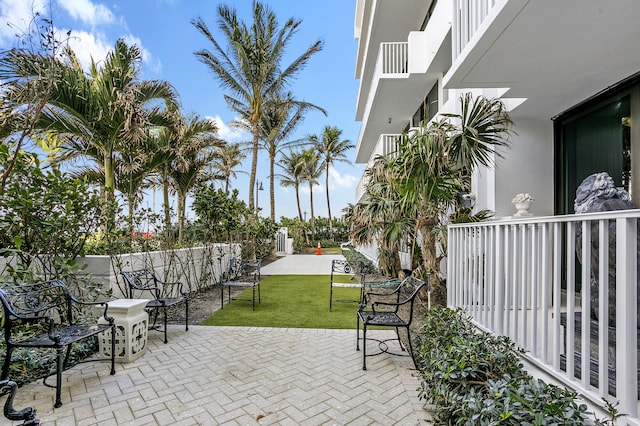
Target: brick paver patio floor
[[237, 376]]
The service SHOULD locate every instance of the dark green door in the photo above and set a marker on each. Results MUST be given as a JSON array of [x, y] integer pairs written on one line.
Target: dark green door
[[592, 142]]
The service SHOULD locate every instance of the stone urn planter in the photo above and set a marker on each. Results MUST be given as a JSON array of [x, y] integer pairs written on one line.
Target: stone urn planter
[[522, 203]]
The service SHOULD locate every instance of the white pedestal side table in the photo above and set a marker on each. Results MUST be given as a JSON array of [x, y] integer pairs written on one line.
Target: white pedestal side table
[[132, 324]]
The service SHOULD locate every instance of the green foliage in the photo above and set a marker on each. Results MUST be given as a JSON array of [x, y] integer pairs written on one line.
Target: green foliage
[[221, 214], [298, 229], [46, 218], [222, 217], [473, 377], [355, 258], [612, 414], [263, 231]]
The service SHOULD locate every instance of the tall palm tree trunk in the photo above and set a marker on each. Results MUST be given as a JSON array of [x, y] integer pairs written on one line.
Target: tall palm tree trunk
[[181, 207], [298, 202], [313, 218], [165, 200], [426, 224], [254, 162], [272, 193], [326, 174]]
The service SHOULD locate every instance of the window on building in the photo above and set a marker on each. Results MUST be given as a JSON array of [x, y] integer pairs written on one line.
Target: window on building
[[427, 109], [597, 136]]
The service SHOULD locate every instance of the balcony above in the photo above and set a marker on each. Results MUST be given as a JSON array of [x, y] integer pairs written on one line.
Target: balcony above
[[403, 74], [552, 54]]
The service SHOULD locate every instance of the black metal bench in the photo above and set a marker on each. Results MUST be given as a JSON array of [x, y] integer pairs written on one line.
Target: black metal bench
[[50, 306], [144, 283], [396, 314], [242, 273]]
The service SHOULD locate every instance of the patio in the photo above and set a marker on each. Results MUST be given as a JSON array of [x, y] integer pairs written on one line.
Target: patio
[[238, 375]]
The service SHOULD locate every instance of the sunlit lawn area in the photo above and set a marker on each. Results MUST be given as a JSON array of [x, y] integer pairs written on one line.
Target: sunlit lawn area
[[295, 301]]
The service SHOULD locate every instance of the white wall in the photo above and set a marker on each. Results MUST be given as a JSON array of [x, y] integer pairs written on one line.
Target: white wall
[[526, 167]]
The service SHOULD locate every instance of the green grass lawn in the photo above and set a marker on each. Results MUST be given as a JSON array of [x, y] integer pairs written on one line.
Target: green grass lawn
[[292, 301]]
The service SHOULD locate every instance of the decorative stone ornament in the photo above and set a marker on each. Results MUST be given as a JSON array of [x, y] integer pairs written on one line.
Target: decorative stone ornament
[[522, 203]]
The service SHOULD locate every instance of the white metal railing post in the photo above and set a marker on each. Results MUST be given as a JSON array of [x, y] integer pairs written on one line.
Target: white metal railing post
[[585, 291], [468, 16], [626, 307], [603, 308]]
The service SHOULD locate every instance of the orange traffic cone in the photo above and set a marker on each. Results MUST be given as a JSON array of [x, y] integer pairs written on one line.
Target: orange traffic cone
[[319, 251]]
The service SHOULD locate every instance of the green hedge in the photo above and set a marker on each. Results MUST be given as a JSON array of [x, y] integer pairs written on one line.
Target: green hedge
[[475, 378]]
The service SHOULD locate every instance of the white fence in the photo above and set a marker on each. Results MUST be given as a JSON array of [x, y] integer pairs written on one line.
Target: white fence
[[394, 58], [468, 16], [197, 267], [530, 280]]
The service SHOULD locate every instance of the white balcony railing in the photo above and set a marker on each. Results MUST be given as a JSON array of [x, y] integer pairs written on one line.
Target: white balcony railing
[[531, 281], [393, 58], [387, 144], [469, 14]]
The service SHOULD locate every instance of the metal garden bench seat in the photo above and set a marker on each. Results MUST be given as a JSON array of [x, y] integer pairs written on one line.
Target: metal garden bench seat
[[54, 314], [245, 274], [340, 268], [144, 284], [396, 311]]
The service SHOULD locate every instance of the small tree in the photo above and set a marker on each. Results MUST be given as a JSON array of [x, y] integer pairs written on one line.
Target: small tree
[[45, 219]]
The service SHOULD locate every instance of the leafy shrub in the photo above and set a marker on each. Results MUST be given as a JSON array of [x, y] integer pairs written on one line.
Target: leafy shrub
[[354, 257], [474, 377]]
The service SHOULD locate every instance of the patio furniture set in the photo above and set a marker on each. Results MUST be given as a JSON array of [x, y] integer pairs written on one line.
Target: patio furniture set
[[121, 329]]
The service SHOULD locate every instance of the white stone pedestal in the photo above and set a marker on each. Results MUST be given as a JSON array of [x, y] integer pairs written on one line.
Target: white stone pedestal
[[132, 324]]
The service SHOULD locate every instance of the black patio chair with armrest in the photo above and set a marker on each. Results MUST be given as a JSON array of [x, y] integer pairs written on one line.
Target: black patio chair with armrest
[[244, 274], [144, 284], [57, 319], [396, 314]]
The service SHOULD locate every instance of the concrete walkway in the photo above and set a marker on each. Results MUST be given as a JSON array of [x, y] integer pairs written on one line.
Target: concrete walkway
[[301, 264], [239, 376]]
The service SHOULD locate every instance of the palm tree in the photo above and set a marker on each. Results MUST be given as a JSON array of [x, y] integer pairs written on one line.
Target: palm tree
[[250, 66], [434, 165], [311, 172], [292, 174], [276, 125], [196, 138], [382, 217], [227, 159], [101, 113], [332, 150]]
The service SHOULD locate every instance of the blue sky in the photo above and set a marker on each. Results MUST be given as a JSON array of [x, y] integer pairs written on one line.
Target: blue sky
[[163, 30]]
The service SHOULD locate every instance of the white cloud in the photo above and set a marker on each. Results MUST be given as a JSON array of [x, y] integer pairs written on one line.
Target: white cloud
[[89, 45], [228, 133], [88, 12], [154, 64], [338, 180], [15, 18]]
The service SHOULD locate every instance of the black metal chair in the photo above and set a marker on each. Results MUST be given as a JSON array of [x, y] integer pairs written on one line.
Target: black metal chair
[[340, 268], [50, 306], [144, 284], [245, 274], [396, 314]]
